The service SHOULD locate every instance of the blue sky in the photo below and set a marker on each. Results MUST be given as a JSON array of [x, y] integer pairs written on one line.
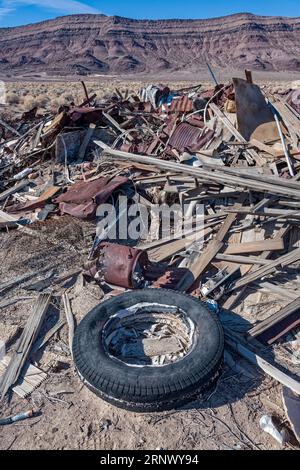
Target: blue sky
[[18, 12]]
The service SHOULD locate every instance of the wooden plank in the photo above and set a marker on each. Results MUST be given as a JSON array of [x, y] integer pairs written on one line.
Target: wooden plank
[[242, 259], [55, 125], [170, 248], [236, 295], [41, 341], [268, 212], [282, 328], [282, 261], [248, 74], [14, 189], [27, 338], [223, 176], [70, 319], [117, 126], [274, 288], [5, 286], [240, 347], [257, 176], [265, 148], [262, 204], [208, 254], [253, 247], [200, 265], [283, 313], [271, 151], [30, 378], [2, 349], [41, 200], [289, 118], [37, 138]]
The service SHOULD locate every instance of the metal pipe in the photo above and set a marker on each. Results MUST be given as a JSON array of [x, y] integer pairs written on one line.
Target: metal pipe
[[18, 417], [286, 152], [212, 74]]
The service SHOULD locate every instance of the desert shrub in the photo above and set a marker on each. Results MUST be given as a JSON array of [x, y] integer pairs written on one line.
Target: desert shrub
[[12, 98], [68, 97], [40, 101]]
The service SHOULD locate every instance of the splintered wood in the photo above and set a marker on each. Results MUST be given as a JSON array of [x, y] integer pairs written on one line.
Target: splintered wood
[[30, 378], [22, 352]]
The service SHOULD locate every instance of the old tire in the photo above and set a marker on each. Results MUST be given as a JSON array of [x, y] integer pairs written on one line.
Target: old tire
[[149, 388]]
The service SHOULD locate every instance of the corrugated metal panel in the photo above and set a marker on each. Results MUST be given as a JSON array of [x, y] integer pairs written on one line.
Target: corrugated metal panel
[[189, 137], [182, 104]]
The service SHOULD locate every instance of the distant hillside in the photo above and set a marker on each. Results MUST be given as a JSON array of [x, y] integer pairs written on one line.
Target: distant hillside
[[99, 44]]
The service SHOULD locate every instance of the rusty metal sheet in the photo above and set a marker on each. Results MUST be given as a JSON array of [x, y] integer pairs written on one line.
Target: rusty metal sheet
[[81, 211], [145, 147], [182, 104], [221, 97], [87, 115], [40, 202], [81, 199], [254, 117], [196, 121], [99, 189], [189, 137]]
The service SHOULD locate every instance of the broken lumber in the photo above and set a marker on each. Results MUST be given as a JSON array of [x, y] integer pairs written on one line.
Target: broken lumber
[[282, 261], [265, 328], [5, 286], [29, 379], [271, 185], [70, 320], [14, 189], [238, 345], [236, 295], [208, 254], [26, 340]]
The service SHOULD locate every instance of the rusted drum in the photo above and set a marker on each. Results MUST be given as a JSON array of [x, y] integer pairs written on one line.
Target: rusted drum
[[122, 265]]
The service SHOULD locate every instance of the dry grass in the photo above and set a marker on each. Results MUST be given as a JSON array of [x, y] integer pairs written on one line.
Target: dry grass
[[48, 96]]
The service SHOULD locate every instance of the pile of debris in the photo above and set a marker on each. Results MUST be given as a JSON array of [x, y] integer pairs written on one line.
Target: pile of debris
[[232, 149]]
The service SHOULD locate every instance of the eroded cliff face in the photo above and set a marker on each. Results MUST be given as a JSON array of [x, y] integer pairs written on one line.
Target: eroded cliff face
[[114, 45]]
